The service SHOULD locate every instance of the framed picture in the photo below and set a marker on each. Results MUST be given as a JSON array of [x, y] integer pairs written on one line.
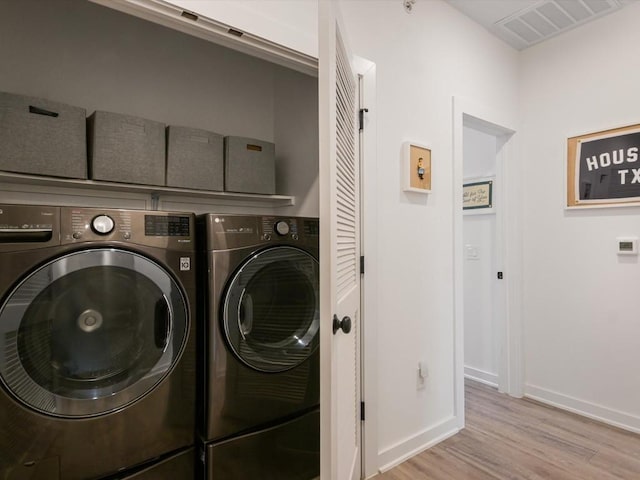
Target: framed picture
[[477, 196], [603, 168], [417, 168]]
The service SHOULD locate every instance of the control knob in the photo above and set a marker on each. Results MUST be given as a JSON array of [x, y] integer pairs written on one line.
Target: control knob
[[102, 224], [282, 228]]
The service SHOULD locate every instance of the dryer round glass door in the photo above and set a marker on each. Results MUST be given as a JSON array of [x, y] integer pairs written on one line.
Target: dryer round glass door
[[271, 309], [91, 332]]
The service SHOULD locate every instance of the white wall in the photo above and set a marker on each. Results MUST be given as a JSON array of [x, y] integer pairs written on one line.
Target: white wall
[[296, 94], [423, 59], [480, 150], [87, 55], [581, 302], [479, 230]]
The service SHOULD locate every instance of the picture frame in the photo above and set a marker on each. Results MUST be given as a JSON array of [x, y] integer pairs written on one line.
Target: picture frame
[[602, 168], [477, 196], [417, 168]]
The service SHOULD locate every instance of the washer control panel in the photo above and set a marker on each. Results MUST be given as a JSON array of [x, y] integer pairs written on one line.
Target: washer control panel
[[92, 224], [163, 229], [24, 227]]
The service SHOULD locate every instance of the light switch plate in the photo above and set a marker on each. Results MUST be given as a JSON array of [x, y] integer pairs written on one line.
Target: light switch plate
[[472, 252]]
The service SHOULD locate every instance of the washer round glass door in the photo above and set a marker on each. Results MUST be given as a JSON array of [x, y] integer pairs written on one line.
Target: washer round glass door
[[270, 312], [91, 332]]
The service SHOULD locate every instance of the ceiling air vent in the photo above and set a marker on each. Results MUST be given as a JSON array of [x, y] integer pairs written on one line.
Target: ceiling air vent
[[551, 17]]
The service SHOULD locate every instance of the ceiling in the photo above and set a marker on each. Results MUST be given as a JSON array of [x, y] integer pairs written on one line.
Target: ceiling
[[522, 23]]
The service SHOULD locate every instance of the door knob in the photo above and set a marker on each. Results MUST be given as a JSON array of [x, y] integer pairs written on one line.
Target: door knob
[[344, 324]]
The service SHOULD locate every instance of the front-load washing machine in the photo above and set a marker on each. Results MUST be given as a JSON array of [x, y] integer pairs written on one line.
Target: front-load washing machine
[[97, 341], [259, 382]]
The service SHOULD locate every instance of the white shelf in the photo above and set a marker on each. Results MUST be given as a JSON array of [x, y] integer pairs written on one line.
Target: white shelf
[[227, 198], [169, 14]]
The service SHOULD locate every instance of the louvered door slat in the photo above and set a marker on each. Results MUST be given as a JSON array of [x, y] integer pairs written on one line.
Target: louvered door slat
[[346, 171]]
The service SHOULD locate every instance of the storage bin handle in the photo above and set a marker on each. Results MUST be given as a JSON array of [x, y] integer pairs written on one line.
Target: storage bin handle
[[42, 111], [255, 148]]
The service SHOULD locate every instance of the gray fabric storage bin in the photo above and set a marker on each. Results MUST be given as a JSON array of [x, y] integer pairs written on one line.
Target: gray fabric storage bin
[[249, 166], [195, 159], [42, 137], [126, 149]]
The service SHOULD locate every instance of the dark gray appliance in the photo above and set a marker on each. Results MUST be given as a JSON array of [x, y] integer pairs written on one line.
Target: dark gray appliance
[[260, 387], [177, 466], [97, 344]]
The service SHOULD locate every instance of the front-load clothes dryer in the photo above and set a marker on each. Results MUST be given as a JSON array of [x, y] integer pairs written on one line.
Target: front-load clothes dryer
[[97, 341], [260, 387]]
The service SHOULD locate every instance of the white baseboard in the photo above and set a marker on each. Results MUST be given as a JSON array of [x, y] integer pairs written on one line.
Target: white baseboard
[[401, 451], [481, 376], [601, 413]]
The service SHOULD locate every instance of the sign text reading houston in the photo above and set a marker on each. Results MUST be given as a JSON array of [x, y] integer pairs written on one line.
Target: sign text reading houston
[[617, 157]]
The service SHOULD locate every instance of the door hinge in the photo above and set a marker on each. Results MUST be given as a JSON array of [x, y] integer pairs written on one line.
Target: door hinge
[[362, 411], [362, 265], [361, 117]]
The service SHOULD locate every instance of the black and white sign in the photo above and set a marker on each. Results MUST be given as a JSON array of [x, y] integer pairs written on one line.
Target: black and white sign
[[608, 167]]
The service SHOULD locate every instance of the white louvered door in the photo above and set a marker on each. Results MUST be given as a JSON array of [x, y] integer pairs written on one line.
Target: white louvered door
[[340, 253]]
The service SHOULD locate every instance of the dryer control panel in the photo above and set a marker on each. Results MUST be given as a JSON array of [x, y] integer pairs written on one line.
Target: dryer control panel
[[280, 227], [227, 231]]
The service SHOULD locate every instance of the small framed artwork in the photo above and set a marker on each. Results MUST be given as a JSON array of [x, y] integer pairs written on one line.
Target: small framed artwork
[[417, 168], [477, 196]]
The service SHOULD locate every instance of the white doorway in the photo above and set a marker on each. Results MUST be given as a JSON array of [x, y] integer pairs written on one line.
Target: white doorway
[[493, 341], [483, 310]]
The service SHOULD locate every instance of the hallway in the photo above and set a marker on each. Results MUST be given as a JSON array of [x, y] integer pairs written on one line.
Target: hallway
[[508, 438]]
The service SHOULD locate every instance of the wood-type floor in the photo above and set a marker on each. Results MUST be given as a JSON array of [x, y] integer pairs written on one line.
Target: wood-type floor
[[508, 438]]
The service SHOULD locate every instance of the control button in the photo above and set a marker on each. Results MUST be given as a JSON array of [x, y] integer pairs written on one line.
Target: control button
[[102, 224], [281, 228], [77, 235], [266, 236], [294, 236], [126, 235]]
